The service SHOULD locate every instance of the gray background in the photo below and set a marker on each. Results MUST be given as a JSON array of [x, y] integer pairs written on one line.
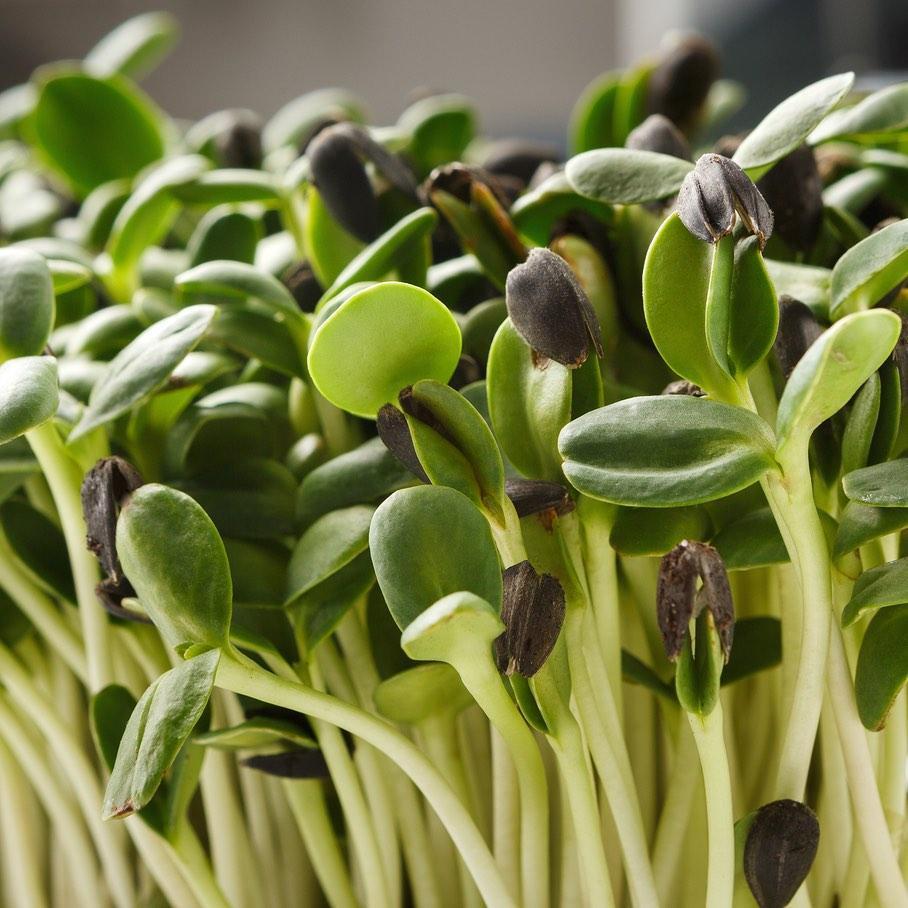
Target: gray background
[[523, 62]]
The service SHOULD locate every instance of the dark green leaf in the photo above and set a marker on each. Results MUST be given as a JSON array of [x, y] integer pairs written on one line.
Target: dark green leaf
[[625, 176], [882, 667], [879, 587], [665, 451], [28, 394], [26, 303], [884, 485]]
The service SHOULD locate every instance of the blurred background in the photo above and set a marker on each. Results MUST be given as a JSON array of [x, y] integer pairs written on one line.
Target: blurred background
[[523, 61]]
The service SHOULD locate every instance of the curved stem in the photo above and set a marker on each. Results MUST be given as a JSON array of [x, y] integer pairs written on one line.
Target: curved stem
[[64, 476], [247, 678], [58, 804], [23, 881], [42, 611], [307, 801], [481, 679], [870, 819], [720, 879], [598, 718], [109, 840]]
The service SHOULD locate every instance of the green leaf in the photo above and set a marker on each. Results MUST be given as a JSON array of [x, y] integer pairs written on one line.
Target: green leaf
[[861, 523], [882, 667], [26, 303], [870, 269], [143, 366], [625, 176], [529, 404], [332, 542], [833, 369], [247, 499], [807, 283], [296, 120], [224, 233], [455, 445], [258, 335], [636, 671], [258, 571], [67, 276], [389, 250], [95, 130], [328, 247], [421, 693], [751, 541], [882, 112], [699, 672], [229, 185], [440, 127], [655, 531], [360, 476], [28, 394], [175, 560], [788, 124], [676, 277], [593, 114], [159, 726], [379, 341], [110, 710], [258, 733], [40, 546], [757, 646], [135, 46], [239, 280], [148, 213], [883, 485], [665, 451], [858, 435], [427, 542], [880, 587], [749, 327]]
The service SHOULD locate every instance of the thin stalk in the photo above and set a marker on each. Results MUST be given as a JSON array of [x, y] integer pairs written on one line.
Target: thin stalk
[[870, 819], [109, 840], [674, 821], [360, 827], [597, 715], [709, 738], [195, 867], [505, 812], [306, 798], [64, 476], [58, 804], [24, 886], [406, 808], [482, 680], [247, 678]]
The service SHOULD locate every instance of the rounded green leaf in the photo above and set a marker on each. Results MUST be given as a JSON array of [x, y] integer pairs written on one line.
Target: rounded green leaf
[[378, 342], [26, 303], [807, 283], [28, 394], [332, 542], [93, 130], [427, 542], [862, 418], [788, 124], [625, 176], [135, 46], [870, 269], [882, 667], [676, 277], [175, 560], [529, 404], [594, 113], [328, 247], [883, 485], [229, 185], [259, 335], [261, 732], [880, 587], [665, 451], [421, 693], [882, 112], [833, 369], [297, 118], [224, 233], [440, 128]]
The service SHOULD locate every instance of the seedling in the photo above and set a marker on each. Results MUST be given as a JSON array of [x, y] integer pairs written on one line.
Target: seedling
[[408, 518]]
